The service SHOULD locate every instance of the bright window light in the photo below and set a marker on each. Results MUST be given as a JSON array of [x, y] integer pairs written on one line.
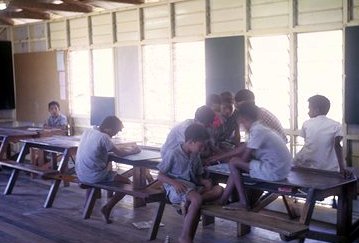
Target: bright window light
[[79, 82], [189, 79], [269, 75], [157, 82], [320, 70], [103, 72]]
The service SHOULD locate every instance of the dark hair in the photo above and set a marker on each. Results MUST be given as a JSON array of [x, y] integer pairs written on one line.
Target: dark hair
[[321, 103], [213, 99], [248, 110], [228, 105], [53, 103], [196, 133], [111, 122], [244, 95], [204, 115], [227, 97]]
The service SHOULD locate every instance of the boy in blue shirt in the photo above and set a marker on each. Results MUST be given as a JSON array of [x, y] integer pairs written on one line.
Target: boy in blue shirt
[[56, 119], [181, 172]]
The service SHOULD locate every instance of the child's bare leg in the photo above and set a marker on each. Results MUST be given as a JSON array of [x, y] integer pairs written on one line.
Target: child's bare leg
[[192, 217], [213, 194], [106, 209], [227, 191], [235, 166]]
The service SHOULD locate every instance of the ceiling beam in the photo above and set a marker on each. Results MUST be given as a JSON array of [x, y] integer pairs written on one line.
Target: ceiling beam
[[125, 1], [68, 6], [5, 20], [26, 14]]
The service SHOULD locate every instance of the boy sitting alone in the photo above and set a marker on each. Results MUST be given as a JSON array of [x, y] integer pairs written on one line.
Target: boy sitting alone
[[92, 158], [264, 156], [322, 136], [56, 119], [181, 172]]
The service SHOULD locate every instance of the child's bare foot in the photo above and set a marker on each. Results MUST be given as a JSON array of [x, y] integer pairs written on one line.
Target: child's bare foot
[[236, 206], [106, 215]]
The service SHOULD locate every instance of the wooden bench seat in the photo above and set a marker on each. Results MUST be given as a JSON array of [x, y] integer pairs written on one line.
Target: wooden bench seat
[[28, 168], [286, 228], [148, 194]]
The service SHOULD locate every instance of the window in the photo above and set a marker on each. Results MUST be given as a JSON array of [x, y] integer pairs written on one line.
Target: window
[[103, 72], [269, 74], [320, 71], [79, 82], [157, 83], [189, 79]]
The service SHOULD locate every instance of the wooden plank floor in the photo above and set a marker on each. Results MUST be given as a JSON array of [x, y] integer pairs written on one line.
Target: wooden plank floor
[[23, 219]]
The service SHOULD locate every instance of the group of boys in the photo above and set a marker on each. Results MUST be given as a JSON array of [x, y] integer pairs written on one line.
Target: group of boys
[[263, 155]]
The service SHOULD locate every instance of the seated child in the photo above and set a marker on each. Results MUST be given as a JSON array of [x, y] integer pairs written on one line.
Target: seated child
[[322, 136], [264, 156], [92, 158], [56, 119], [181, 172]]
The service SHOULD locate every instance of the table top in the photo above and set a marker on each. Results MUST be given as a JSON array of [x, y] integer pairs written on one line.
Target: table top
[[58, 141], [298, 177], [16, 132], [146, 158]]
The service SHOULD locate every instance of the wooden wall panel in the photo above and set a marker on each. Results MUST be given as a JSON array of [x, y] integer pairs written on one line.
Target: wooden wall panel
[[37, 83]]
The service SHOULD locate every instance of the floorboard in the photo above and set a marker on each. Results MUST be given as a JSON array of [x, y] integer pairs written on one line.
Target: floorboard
[[23, 219]]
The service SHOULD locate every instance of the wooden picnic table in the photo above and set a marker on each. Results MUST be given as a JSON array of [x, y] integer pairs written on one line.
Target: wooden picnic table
[[10, 135], [141, 162], [59, 145], [310, 184]]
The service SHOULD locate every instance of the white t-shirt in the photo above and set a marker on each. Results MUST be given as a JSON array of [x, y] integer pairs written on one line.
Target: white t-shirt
[[272, 159], [318, 152]]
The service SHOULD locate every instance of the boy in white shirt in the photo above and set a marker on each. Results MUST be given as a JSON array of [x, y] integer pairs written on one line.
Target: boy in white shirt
[[322, 136], [264, 156]]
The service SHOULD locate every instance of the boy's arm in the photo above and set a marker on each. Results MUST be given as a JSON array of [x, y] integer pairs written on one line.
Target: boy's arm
[[235, 152], [180, 187], [339, 152]]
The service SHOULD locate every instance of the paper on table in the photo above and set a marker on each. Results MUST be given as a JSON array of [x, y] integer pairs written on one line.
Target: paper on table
[[144, 224]]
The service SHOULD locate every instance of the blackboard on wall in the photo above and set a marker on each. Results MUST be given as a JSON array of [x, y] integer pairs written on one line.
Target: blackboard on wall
[[351, 70], [224, 64], [101, 107], [7, 96]]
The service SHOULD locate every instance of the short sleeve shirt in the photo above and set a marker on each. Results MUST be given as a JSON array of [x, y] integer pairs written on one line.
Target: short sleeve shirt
[[57, 121], [175, 137], [92, 156], [318, 152], [180, 165], [272, 159]]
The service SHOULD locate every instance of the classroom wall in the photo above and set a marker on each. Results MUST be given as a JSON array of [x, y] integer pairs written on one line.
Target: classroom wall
[[37, 83]]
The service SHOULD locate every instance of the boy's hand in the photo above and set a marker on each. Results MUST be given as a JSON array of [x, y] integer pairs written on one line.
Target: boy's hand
[[347, 174], [206, 183], [179, 186]]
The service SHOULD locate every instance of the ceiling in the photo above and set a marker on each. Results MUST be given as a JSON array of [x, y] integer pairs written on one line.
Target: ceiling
[[27, 11]]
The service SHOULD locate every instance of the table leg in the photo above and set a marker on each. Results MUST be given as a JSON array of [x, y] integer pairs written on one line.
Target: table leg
[[139, 181], [344, 211], [308, 208]]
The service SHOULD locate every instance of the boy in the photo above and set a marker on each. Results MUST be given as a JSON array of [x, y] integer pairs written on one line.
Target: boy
[[264, 156], [92, 158], [204, 116], [181, 172], [266, 117], [322, 136], [56, 119]]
